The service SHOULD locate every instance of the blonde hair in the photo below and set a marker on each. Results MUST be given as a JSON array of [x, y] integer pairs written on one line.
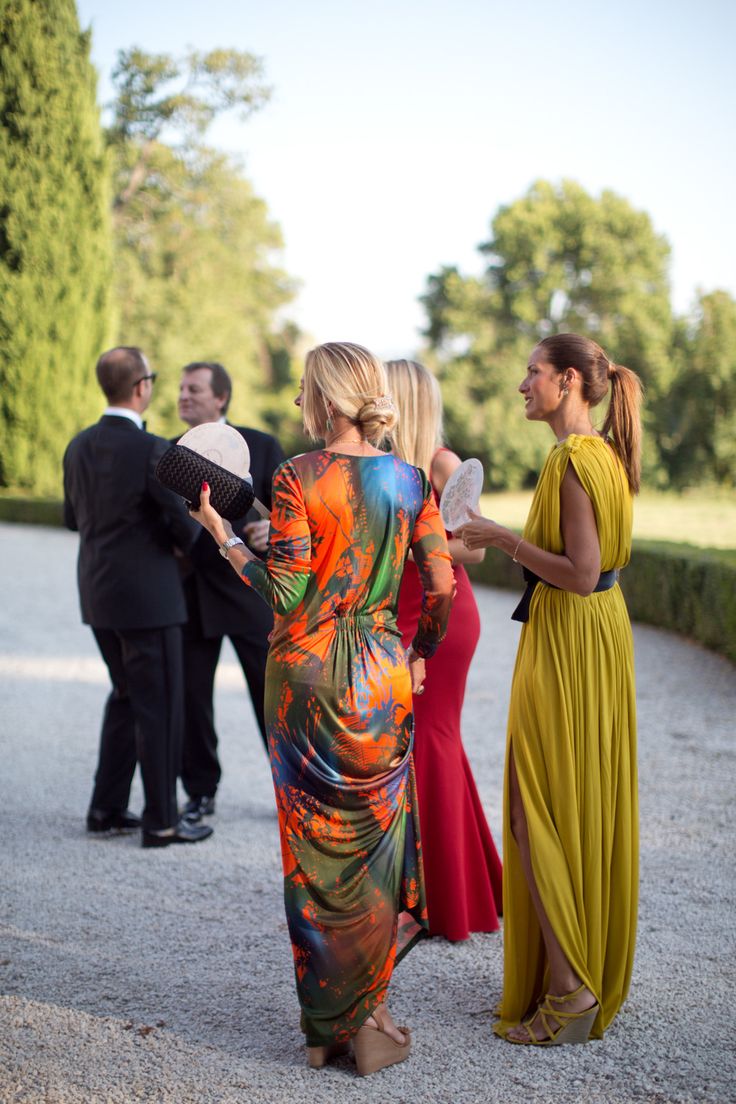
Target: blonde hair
[[418, 400], [352, 381]]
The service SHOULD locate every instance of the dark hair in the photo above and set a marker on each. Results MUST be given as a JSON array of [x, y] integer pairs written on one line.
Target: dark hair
[[623, 419], [118, 370], [220, 382]]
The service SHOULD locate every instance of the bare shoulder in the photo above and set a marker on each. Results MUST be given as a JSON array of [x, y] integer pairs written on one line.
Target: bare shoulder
[[444, 463]]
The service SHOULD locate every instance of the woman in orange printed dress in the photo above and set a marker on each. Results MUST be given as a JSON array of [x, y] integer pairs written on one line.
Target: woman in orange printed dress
[[462, 869], [339, 699]]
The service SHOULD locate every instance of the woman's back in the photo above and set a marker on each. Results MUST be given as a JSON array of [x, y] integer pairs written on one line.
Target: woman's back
[[360, 515]]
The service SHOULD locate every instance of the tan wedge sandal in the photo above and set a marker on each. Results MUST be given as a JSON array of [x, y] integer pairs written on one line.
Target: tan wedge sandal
[[572, 1027], [319, 1056], [374, 1049]]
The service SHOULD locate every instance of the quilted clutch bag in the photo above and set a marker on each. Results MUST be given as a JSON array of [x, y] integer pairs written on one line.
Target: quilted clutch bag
[[184, 471]]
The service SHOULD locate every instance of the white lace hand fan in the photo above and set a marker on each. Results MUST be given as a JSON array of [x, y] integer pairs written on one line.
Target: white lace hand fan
[[462, 492]]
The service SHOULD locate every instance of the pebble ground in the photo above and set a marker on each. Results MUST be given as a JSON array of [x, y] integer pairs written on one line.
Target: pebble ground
[[165, 976]]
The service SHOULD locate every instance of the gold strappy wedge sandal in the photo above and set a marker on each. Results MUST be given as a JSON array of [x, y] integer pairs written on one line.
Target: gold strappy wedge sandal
[[374, 1049], [572, 1027]]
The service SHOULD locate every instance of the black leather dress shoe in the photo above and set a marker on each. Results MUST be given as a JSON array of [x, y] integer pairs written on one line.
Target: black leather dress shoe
[[198, 807], [119, 820], [183, 833]]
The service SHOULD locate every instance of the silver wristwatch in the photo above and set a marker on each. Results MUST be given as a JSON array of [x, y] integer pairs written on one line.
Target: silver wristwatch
[[228, 544]]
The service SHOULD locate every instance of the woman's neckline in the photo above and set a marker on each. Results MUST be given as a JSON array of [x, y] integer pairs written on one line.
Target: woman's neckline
[[356, 455], [585, 437]]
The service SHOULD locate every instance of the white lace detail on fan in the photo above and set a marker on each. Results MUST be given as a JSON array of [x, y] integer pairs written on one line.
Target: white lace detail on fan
[[221, 444], [462, 490]]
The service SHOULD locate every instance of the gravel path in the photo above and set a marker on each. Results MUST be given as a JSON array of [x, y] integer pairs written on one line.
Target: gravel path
[[165, 976]]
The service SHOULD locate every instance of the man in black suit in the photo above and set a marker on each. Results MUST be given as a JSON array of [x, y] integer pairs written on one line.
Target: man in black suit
[[131, 596], [218, 603]]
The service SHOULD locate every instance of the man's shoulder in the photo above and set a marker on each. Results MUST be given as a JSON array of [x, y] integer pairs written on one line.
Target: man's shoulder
[[257, 437], [84, 435], [120, 430]]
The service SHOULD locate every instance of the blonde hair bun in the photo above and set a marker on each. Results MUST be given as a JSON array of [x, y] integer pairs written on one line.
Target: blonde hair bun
[[377, 416], [340, 375]]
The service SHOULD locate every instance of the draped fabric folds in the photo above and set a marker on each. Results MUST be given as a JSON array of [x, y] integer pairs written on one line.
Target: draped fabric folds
[[339, 720], [572, 727], [462, 869]]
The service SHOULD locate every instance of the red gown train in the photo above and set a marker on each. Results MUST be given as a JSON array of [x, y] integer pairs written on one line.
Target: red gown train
[[461, 865]]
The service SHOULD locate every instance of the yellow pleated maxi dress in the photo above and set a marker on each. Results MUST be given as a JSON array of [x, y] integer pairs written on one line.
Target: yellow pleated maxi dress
[[572, 726]]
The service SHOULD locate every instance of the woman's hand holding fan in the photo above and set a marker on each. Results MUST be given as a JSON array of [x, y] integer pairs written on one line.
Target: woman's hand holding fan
[[461, 494]]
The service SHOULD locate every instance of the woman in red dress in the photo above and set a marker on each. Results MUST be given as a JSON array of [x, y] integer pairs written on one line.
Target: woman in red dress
[[461, 865]]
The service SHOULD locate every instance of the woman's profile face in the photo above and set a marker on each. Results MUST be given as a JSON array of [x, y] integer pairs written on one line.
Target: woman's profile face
[[300, 395], [541, 387]]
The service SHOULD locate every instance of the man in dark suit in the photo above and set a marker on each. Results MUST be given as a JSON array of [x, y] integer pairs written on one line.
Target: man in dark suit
[[131, 596], [218, 603]]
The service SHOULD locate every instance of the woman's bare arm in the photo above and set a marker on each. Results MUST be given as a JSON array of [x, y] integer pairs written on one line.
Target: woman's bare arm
[[578, 568]]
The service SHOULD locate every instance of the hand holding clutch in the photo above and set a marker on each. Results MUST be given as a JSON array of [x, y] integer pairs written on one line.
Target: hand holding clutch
[[184, 471]]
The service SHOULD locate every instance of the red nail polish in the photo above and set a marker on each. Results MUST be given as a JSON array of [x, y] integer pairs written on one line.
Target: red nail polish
[[205, 486]]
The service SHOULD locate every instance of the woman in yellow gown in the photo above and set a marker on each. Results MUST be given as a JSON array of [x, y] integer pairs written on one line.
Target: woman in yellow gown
[[570, 805]]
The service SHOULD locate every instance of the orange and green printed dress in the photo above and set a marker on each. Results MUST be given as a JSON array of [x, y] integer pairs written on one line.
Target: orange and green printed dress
[[339, 720]]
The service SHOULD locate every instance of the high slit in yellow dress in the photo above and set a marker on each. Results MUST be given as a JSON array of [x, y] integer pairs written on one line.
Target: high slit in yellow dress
[[572, 727]]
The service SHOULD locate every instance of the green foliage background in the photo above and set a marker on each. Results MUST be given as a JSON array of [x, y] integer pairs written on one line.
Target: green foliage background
[[145, 235], [55, 239], [562, 260], [195, 276]]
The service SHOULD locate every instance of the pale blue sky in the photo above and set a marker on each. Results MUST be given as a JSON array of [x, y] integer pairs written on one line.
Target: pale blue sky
[[396, 129]]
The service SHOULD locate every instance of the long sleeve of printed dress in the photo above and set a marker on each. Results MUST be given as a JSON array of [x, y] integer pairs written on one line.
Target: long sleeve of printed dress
[[282, 579], [434, 564]]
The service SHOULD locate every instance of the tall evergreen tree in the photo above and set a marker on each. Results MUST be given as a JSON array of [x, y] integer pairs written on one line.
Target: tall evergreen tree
[[55, 239]]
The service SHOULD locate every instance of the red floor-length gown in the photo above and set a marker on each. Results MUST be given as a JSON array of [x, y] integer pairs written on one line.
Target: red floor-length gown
[[461, 865]]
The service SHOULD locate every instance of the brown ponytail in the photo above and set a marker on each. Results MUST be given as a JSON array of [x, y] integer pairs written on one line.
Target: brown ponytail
[[623, 419]]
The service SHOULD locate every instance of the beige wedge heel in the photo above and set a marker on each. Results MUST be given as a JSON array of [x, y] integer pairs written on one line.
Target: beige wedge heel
[[319, 1056], [374, 1049]]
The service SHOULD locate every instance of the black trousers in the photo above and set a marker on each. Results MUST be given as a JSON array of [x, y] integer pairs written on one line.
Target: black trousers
[[142, 722], [201, 769]]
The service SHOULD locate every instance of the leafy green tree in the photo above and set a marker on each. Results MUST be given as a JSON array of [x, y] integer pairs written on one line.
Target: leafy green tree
[[195, 276], [55, 239], [699, 419], [285, 365], [558, 260]]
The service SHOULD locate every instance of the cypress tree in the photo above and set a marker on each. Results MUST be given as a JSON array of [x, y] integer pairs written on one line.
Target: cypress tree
[[55, 240]]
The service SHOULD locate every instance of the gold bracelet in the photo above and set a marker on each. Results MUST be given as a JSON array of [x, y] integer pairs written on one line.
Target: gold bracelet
[[521, 541]]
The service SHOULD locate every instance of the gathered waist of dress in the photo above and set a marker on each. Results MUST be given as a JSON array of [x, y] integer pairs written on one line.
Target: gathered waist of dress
[[346, 617], [340, 620]]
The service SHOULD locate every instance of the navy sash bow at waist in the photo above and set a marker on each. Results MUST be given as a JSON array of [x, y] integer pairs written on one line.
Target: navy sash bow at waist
[[606, 580]]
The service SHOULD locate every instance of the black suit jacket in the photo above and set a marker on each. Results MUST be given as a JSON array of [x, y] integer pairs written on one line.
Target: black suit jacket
[[128, 525], [224, 605]]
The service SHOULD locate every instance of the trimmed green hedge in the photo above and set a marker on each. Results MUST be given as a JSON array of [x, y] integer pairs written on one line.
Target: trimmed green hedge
[[687, 590], [32, 511]]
